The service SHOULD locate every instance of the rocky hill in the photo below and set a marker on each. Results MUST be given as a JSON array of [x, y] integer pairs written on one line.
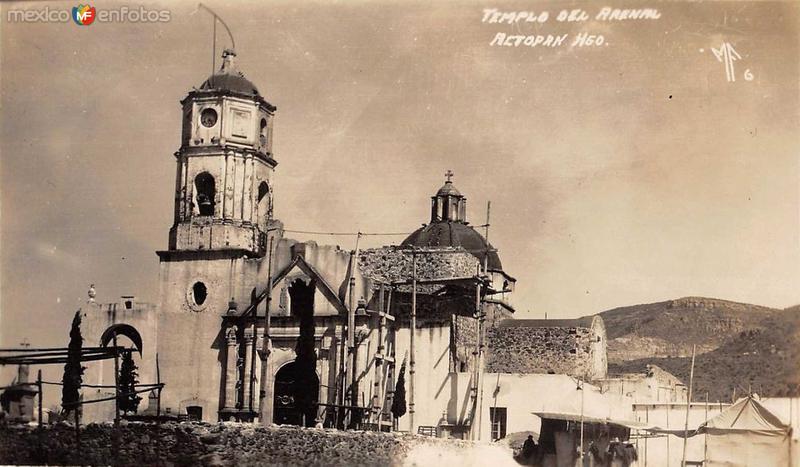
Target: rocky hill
[[741, 346]]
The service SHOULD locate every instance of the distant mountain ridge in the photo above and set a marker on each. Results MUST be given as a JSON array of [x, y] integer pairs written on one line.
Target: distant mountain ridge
[[739, 345]]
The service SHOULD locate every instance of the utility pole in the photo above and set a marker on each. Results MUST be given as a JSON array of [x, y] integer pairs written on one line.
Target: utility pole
[[705, 435], [482, 324], [251, 381], [349, 389], [265, 412], [688, 404], [476, 415], [582, 389], [158, 399], [39, 385], [413, 330], [116, 382]]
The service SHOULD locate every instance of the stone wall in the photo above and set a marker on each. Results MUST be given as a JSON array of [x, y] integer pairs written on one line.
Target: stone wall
[[221, 444], [96, 318], [392, 264], [464, 341], [517, 347]]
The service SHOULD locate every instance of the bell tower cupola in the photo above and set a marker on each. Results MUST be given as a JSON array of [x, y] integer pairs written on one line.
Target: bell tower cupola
[[448, 204], [225, 165]]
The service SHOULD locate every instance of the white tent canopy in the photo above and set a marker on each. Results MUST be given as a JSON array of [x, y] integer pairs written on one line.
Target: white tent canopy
[[745, 435]]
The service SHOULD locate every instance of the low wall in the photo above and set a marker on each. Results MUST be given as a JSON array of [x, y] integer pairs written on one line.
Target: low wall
[[234, 444]]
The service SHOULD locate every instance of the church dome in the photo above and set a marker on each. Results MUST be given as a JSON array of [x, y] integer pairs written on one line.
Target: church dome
[[455, 234], [229, 78], [229, 82], [448, 227], [448, 189]]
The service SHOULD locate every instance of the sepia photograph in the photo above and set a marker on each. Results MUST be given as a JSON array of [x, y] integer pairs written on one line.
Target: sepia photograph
[[552, 233]]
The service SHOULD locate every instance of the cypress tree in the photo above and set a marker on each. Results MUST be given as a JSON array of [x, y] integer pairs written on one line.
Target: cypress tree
[[306, 369], [73, 370], [399, 401], [128, 399]]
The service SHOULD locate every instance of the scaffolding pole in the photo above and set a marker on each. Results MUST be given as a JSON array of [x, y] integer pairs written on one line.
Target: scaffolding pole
[[413, 329], [116, 383], [390, 369], [39, 385], [265, 412], [377, 394], [158, 398], [688, 404], [481, 330], [475, 421]]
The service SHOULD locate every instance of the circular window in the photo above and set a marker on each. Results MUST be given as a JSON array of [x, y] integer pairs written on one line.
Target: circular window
[[208, 117], [199, 293]]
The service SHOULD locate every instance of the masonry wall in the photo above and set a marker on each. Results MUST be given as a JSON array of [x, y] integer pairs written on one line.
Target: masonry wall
[[235, 444], [556, 350], [191, 342], [96, 318], [391, 264], [464, 343]]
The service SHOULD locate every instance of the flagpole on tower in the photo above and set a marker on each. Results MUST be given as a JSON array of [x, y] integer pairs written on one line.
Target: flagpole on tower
[[214, 49], [214, 40]]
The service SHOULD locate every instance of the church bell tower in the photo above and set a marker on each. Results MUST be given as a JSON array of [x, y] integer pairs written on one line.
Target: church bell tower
[[223, 195], [218, 242], [224, 166]]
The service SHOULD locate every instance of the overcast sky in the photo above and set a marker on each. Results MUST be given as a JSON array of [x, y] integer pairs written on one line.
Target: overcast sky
[[624, 173]]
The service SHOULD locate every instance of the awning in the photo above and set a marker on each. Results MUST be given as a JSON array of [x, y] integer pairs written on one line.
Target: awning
[[680, 433], [589, 419]]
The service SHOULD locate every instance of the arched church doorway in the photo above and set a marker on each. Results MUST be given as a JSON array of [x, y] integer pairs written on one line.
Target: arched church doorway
[[295, 404]]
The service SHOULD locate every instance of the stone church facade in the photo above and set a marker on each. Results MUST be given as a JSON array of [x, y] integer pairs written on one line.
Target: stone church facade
[[251, 325]]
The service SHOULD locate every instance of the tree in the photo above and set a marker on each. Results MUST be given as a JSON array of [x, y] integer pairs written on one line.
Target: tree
[[73, 370], [399, 401], [305, 368], [128, 399]]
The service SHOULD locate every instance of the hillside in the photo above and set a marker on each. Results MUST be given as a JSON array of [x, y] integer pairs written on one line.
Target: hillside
[[739, 345]]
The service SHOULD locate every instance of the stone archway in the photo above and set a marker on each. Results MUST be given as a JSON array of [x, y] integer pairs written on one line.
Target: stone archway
[[288, 408], [121, 329], [130, 341]]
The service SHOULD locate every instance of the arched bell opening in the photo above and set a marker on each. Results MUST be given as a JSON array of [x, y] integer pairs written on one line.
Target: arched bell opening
[[262, 205], [206, 190]]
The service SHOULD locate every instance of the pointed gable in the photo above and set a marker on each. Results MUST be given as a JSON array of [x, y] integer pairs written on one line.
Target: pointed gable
[[299, 264]]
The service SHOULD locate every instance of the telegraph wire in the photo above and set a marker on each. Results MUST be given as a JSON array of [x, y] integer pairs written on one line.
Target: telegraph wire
[[363, 234], [348, 233]]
